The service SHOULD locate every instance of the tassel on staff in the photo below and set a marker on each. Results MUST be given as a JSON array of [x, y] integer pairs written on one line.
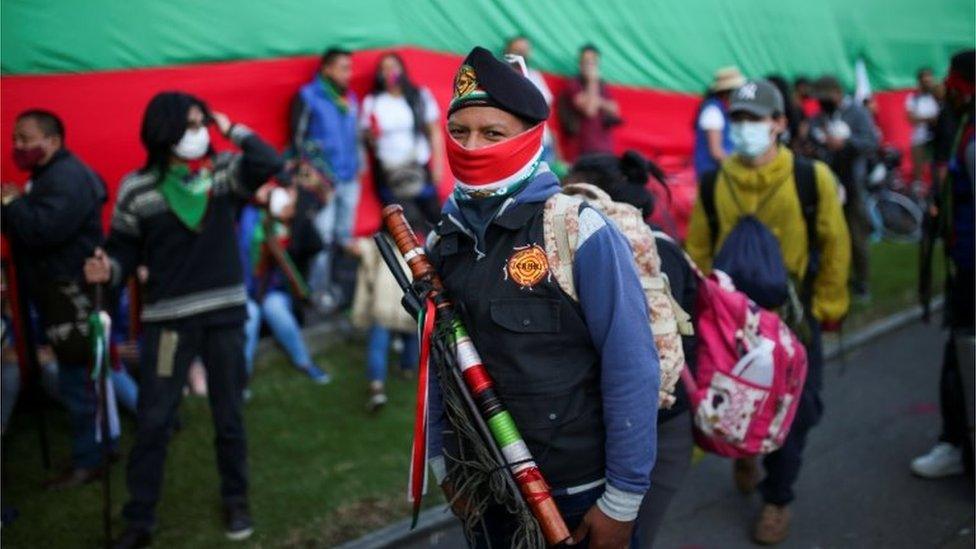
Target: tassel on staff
[[107, 416], [503, 436]]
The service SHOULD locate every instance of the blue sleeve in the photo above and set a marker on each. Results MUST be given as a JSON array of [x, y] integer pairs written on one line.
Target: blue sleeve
[[863, 137], [615, 311], [435, 429], [246, 225], [435, 417]]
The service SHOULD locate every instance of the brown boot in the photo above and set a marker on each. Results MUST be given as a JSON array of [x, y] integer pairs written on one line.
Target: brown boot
[[71, 478], [745, 472], [773, 525]]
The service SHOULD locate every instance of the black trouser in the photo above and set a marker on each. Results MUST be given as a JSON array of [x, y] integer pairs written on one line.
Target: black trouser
[[161, 384], [674, 447], [859, 227], [783, 465], [961, 307]]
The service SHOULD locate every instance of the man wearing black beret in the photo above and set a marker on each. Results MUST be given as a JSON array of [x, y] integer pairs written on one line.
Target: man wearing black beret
[[579, 374]]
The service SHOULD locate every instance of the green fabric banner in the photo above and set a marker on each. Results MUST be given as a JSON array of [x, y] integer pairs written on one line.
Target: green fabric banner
[[670, 44]]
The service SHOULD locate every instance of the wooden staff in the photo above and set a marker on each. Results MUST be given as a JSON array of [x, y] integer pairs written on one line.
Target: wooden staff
[[515, 452], [106, 427]]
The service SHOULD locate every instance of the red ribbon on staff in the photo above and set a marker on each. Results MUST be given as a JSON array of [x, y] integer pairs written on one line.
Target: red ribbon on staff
[[418, 454]]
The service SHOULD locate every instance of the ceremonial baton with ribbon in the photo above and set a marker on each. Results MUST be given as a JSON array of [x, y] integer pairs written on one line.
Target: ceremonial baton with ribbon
[[495, 422], [99, 326]]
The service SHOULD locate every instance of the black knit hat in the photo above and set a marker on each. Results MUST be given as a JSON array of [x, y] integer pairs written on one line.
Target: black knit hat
[[483, 80], [164, 124]]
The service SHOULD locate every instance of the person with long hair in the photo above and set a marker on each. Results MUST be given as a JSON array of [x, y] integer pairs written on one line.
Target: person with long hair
[[400, 127], [625, 179], [177, 216]]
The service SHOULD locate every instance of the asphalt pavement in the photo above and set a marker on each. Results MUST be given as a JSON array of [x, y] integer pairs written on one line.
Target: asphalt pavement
[[855, 489]]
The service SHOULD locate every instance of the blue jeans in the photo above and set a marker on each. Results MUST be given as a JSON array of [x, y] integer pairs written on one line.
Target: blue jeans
[[334, 224], [378, 348], [78, 396], [276, 311], [126, 389]]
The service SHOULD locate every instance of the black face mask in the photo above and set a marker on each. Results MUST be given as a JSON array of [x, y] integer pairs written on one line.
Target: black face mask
[[828, 105]]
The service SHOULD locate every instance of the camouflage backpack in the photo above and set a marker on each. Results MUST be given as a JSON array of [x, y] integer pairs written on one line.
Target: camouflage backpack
[[668, 320]]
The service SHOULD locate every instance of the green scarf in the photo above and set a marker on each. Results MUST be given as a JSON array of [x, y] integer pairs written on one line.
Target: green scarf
[[338, 99], [257, 254], [257, 241], [187, 194]]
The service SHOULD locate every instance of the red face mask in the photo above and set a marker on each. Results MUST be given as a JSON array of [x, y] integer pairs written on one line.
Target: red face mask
[[28, 159], [496, 162]]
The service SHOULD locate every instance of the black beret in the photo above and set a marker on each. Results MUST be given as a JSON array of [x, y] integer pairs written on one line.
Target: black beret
[[486, 81]]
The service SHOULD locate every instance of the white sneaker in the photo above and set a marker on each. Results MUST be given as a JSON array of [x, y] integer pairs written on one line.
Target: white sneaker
[[376, 401], [943, 460]]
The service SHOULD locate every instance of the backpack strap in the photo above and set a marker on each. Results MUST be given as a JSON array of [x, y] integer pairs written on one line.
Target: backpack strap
[[806, 190], [706, 190], [590, 193], [683, 318], [559, 210]]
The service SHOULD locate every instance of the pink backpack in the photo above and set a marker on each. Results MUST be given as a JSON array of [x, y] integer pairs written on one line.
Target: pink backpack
[[750, 373]]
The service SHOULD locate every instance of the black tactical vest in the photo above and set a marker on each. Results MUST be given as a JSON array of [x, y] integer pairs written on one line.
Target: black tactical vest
[[532, 340]]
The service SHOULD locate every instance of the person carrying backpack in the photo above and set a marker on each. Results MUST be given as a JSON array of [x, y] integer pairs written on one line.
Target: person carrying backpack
[[624, 179], [578, 374], [773, 222]]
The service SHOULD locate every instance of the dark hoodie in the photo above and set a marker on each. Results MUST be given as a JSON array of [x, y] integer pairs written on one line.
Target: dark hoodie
[[58, 224]]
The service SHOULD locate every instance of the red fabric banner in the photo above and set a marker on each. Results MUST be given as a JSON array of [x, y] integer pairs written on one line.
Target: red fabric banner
[[102, 111]]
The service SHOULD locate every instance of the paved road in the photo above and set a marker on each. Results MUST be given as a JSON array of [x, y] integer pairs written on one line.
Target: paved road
[[855, 489]]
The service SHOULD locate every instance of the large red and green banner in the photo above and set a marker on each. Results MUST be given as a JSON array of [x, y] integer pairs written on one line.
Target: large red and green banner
[[97, 62]]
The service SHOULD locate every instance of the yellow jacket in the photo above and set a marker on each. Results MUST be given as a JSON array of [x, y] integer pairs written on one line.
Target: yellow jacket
[[783, 216]]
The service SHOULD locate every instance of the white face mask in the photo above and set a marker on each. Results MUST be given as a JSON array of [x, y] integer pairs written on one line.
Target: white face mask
[[278, 201], [751, 139], [193, 145]]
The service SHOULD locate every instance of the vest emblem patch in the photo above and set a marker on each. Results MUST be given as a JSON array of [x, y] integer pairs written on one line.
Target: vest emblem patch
[[527, 266]]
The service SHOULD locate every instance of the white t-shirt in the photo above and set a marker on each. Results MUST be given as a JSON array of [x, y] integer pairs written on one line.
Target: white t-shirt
[[921, 105], [711, 118], [398, 141]]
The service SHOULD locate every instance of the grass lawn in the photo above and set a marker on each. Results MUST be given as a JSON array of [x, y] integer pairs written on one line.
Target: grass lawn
[[323, 470], [894, 282]]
